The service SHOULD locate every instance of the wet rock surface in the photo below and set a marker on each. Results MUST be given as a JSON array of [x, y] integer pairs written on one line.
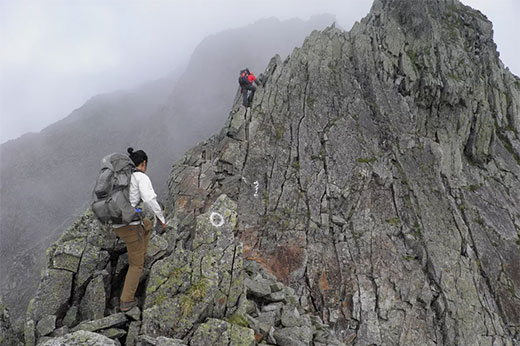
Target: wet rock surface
[[370, 196]]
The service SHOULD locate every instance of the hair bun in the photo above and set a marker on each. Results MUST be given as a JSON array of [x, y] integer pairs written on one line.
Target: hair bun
[[130, 150]]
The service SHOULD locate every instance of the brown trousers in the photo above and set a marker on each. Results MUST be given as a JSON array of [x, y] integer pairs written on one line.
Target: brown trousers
[[136, 247]]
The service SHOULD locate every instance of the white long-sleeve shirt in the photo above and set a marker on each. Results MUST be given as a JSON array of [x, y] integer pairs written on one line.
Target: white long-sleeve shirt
[[141, 189]]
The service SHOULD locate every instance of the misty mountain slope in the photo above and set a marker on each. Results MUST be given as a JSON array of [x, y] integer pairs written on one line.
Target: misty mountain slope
[[370, 196], [39, 171], [47, 177]]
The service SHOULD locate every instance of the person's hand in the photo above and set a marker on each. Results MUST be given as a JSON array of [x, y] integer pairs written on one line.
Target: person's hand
[[163, 225]]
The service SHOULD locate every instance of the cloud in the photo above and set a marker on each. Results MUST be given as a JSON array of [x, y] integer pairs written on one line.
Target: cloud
[[56, 54]]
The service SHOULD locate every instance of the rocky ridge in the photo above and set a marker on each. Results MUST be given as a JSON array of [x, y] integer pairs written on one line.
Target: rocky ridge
[[370, 196], [197, 288], [165, 117]]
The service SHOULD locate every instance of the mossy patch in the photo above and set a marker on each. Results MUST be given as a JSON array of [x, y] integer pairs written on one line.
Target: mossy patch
[[410, 258], [195, 294], [510, 128], [238, 319], [159, 299], [323, 152], [394, 221], [279, 132], [310, 102], [367, 160], [473, 188], [412, 55], [416, 231], [452, 76], [480, 221]]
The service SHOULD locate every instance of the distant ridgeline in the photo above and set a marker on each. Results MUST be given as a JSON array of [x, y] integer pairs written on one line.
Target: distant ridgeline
[[370, 196]]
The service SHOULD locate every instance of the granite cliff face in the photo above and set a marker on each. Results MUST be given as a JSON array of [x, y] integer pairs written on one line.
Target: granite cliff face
[[370, 196]]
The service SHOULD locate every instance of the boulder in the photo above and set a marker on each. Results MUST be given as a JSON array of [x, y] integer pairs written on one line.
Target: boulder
[[145, 340], [80, 338], [134, 313], [71, 317], [29, 333], [218, 332], [204, 279], [113, 333], [293, 336], [93, 303], [157, 245], [68, 254], [290, 316], [258, 286], [103, 323], [52, 296], [93, 259], [133, 332], [46, 325]]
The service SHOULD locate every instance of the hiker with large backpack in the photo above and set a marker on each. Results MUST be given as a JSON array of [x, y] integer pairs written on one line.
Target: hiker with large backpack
[[120, 188], [246, 80]]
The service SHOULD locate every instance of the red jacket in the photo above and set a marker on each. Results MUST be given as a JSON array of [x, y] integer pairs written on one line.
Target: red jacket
[[251, 77]]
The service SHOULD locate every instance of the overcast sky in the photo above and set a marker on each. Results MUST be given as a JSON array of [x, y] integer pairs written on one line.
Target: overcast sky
[[56, 54]]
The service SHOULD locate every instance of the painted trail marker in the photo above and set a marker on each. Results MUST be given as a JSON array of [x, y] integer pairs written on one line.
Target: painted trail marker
[[216, 219]]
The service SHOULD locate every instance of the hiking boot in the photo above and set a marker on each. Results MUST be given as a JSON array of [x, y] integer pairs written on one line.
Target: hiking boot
[[127, 306]]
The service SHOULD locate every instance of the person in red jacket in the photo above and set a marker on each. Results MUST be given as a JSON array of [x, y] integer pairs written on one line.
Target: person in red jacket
[[246, 81]]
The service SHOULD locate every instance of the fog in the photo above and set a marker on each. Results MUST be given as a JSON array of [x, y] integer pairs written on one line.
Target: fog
[[56, 54]]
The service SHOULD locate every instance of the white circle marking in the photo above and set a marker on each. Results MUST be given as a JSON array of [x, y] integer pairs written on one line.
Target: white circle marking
[[216, 219]]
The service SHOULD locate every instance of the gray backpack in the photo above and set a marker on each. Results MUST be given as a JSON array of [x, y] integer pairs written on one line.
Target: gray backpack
[[112, 204]]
